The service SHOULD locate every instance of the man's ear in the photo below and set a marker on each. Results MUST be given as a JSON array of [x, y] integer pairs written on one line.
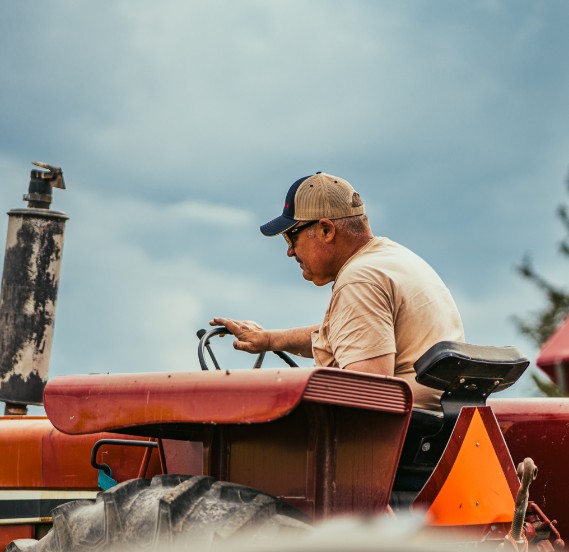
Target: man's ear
[[328, 228]]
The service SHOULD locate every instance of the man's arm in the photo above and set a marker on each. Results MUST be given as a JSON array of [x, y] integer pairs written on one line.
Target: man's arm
[[252, 338], [384, 365]]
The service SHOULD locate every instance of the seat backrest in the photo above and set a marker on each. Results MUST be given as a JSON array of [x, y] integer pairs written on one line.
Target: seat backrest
[[450, 364]]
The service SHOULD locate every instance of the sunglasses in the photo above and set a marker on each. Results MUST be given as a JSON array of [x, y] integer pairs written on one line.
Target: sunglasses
[[291, 235]]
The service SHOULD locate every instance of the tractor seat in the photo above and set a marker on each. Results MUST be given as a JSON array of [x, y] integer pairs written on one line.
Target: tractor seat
[[451, 364], [467, 375]]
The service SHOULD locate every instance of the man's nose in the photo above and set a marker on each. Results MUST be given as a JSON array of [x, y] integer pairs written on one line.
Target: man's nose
[[290, 251]]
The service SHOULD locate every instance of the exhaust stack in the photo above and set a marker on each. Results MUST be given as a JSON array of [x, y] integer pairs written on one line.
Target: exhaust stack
[[28, 296]]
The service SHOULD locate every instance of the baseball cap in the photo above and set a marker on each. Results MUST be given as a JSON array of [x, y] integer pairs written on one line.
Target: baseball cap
[[314, 197]]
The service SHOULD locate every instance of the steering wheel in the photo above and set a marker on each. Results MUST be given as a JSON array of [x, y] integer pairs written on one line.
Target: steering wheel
[[204, 345]]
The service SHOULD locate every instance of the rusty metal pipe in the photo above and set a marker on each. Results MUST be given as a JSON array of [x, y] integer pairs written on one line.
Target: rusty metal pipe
[[28, 296]]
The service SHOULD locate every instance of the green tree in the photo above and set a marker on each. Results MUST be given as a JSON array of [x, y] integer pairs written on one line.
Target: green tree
[[542, 323]]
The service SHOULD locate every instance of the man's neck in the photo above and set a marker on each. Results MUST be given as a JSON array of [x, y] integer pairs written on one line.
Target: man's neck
[[348, 248]]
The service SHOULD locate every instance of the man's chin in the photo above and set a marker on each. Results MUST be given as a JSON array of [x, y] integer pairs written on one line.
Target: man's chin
[[316, 282]]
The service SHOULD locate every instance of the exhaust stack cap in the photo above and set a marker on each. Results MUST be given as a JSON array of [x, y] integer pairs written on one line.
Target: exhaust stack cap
[[39, 194]]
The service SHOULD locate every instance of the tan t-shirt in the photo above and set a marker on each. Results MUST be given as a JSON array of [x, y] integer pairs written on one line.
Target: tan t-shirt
[[386, 299]]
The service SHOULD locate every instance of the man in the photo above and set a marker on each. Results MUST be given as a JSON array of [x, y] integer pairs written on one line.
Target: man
[[388, 306]]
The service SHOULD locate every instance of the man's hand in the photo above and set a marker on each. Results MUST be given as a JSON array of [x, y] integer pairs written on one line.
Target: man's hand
[[250, 337]]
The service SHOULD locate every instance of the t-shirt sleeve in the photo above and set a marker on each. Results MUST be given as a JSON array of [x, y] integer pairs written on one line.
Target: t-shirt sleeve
[[361, 323]]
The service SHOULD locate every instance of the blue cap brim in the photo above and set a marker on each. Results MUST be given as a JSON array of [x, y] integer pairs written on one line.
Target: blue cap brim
[[277, 226]]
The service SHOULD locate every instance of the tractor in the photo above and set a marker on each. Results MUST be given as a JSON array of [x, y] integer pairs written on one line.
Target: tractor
[[145, 459]]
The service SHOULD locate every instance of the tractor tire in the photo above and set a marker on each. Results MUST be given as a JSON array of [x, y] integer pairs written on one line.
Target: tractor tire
[[153, 514]]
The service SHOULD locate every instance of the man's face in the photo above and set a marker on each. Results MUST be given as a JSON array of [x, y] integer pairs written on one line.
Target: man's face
[[312, 252]]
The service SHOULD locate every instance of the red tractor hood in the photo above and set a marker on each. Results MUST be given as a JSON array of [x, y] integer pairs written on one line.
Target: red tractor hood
[[102, 402]]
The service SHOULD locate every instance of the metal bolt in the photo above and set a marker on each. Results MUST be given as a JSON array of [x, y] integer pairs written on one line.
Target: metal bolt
[[461, 380], [477, 503], [426, 447], [477, 444]]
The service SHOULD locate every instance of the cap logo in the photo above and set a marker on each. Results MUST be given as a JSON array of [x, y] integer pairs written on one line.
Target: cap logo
[[356, 200]]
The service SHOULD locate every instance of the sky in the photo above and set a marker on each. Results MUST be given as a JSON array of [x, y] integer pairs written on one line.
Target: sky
[[180, 125]]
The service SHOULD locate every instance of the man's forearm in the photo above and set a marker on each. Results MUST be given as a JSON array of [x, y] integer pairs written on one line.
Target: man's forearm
[[296, 341]]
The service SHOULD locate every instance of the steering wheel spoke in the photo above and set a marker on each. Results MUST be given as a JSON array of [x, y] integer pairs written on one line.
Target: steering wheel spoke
[[259, 361]]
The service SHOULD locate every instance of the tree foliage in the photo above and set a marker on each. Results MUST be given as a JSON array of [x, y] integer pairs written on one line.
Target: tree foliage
[[540, 325]]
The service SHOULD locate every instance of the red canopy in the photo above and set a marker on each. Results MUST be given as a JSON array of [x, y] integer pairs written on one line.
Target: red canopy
[[556, 348]]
